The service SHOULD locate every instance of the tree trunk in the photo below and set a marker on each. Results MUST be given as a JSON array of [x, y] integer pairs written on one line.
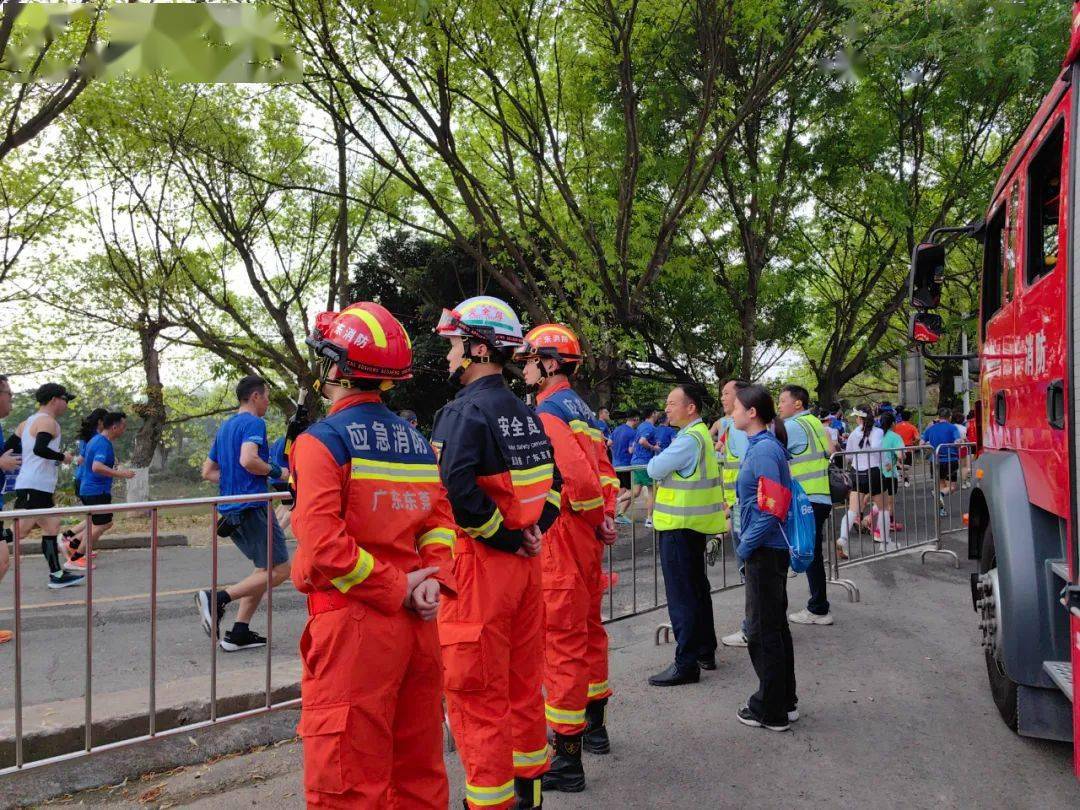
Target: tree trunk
[[749, 330], [343, 220], [153, 412]]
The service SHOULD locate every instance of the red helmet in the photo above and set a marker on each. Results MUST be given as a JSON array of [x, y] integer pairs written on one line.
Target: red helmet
[[550, 340], [365, 342]]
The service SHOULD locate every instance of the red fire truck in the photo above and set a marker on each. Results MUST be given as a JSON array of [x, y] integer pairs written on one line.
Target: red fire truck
[[1024, 524]]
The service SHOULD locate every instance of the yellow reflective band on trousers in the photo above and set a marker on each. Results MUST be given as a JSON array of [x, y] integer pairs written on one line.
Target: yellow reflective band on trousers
[[598, 688], [695, 501], [489, 527], [572, 718], [365, 469], [365, 564], [489, 796], [811, 467], [440, 536], [529, 759]]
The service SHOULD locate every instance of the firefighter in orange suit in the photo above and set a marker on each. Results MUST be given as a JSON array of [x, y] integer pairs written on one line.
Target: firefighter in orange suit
[[575, 675], [375, 557], [497, 466]]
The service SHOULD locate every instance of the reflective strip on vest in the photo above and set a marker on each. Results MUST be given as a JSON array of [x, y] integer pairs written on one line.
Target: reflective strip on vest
[[696, 501], [533, 475], [365, 564], [811, 467], [363, 469], [489, 796]]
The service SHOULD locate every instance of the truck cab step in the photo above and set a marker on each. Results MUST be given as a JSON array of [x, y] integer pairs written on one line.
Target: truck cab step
[[1060, 672], [1060, 569]]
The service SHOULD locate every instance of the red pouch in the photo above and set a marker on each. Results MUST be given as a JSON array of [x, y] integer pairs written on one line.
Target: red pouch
[[773, 498]]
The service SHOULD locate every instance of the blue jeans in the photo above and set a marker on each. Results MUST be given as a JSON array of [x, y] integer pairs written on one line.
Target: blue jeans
[[682, 558], [815, 574]]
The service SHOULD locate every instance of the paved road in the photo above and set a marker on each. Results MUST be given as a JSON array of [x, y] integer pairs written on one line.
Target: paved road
[[54, 622], [895, 709]]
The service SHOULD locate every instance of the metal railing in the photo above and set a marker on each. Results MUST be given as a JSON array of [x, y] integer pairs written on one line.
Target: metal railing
[[153, 732]]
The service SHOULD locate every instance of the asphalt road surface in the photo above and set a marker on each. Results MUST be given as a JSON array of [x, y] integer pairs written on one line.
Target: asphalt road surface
[[896, 713]]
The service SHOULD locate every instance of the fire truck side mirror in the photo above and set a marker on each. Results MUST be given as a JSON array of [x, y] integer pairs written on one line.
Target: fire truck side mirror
[[926, 328], [927, 275]]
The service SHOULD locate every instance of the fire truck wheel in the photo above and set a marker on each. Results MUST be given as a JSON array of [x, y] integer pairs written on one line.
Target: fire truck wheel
[[1002, 687]]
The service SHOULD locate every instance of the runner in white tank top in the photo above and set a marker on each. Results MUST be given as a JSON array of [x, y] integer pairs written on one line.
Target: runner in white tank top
[[37, 472], [36, 483]]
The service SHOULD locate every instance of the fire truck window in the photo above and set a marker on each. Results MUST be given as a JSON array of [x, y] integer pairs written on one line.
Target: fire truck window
[[993, 252], [1010, 243], [1044, 205]]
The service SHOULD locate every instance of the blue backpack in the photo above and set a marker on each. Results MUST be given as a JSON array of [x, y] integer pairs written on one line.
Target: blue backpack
[[800, 529]]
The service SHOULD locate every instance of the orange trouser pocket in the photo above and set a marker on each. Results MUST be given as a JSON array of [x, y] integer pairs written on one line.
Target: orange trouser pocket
[[563, 602], [463, 656], [323, 730]]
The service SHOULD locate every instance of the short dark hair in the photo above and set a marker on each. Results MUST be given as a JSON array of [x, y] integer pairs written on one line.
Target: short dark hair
[[694, 392], [799, 393], [407, 415], [740, 383], [887, 420], [248, 386], [944, 413], [3, 378], [113, 418], [647, 411]]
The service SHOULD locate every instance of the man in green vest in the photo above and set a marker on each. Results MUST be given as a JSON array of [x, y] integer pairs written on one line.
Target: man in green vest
[[809, 446], [731, 444], [687, 511]]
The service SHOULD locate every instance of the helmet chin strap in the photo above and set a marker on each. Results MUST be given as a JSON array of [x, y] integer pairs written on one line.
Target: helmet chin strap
[[533, 388], [466, 361], [344, 382]]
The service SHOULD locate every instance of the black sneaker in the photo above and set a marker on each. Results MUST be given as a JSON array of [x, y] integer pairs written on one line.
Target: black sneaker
[[208, 606], [64, 580], [748, 718], [248, 641]]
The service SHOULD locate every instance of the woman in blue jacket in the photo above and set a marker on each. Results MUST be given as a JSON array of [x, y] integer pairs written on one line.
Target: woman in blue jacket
[[763, 550]]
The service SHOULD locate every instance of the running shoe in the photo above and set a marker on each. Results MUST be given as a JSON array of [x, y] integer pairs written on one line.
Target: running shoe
[[6, 636], [205, 602], [648, 523], [78, 565], [248, 641], [623, 520], [841, 552], [736, 639], [806, 617], [64, 579]]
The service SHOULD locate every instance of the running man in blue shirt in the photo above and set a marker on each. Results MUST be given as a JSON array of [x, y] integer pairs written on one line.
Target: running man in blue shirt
[[645, 447], [239, 463], [943, 436], [622, 449]]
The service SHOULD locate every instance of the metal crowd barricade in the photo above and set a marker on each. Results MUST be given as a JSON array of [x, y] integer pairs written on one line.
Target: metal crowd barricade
[[623, 599], [958, 472], [154, 508]]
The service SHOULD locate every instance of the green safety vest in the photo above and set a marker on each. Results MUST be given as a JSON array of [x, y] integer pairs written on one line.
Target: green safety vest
[[811, 467], [731, 464], [693, 502]]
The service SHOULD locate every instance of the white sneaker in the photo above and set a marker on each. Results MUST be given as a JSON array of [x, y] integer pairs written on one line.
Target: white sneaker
[[793, 715], [736, 639], [648, 523], [806, 617]]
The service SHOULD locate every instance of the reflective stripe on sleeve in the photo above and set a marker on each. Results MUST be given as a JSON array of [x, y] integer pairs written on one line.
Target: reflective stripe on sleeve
[[441, 536], [554, 497], [532, 475], [582, 506], [488, 528], [608, 481], [365, 564]]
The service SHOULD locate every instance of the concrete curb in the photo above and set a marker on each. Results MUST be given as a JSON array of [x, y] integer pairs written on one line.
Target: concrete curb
[[113, 542], [107, 767]]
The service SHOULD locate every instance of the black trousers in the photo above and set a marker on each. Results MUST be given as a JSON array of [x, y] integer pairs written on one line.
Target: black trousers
[[768, 635], [682, 558], [815, 574]]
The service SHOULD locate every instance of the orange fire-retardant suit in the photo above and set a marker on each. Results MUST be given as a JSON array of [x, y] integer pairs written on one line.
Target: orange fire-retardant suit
[[369, 508], [576, 648], [496, 463]]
